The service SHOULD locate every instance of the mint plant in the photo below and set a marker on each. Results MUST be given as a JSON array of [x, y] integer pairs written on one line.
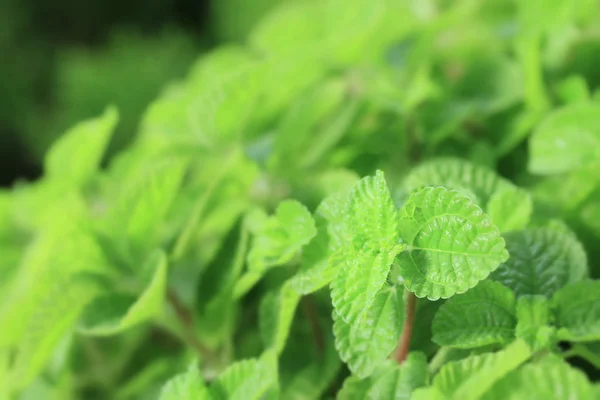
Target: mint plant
[[345, 207]]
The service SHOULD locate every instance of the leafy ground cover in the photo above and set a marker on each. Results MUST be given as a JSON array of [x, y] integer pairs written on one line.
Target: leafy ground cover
[[370, 199]]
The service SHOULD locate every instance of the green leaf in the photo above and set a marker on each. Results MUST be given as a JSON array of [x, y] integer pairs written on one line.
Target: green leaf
[[510, 209], [566, 140], [282, 236], [246, 380], [541, 262], [551, 378], [364, 345], [5, 384], [187, 386], [143, 204], [371, 216], [276, 314], [534, 318], [577, 311], [459, 175], [330, 29], [399, 381], [371, 244], [481, 316], [362, 276], [76, 156], [113, 313], [276, 241], [312, 381], [315, 271], [54, 317], [452, 244], [354, 388], [471, 377]]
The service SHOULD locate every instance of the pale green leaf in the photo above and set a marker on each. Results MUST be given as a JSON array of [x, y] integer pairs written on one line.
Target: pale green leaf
[[113, 313], [76, 156], [566, 140], [315, 271], [371, 216], [364, 345], [452, 244], [362, 276], [471, 377], [276, 314], [369, 248], [332, 210], [534, 318], [53, 319], [577, 311], [246, 379], [481, 316], [143, 204], [541, 262], [399, 381], [457, 174], [299, 126], [187, 386], [277, 239], [337, 31], [549, 379], [5, 384], [510, 209], [354, 388], [281, 236]]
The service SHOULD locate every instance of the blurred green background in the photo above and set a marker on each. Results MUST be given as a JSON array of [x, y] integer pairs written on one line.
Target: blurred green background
[[64, 60]]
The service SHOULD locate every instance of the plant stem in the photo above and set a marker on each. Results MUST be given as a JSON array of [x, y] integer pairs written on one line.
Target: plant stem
[[583, 352], [439, 359], [308, 306], [186, 319], [404, 342]]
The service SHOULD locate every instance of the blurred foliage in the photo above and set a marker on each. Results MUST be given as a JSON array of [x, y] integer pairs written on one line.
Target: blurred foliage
[[128, 72], [314, 95]]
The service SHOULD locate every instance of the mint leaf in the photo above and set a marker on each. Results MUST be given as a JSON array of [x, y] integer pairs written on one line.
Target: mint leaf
[[142, 205], [54, 317], [246, 380], [481, 316], [362, 275], [276, 314], [364, 345], [550, 378], [371, 216], [452, 244], [566, 140], [113, 313], [541, 262], [399, 381], [76, 156], [510, 209], [277, 239], [371, 225], [471, 377], [187, 386], [577, 311], [354, 388], [457, 174], [534, 318]]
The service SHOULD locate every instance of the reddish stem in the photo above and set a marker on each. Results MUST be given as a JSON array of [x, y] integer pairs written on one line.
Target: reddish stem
[[404, 342]]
